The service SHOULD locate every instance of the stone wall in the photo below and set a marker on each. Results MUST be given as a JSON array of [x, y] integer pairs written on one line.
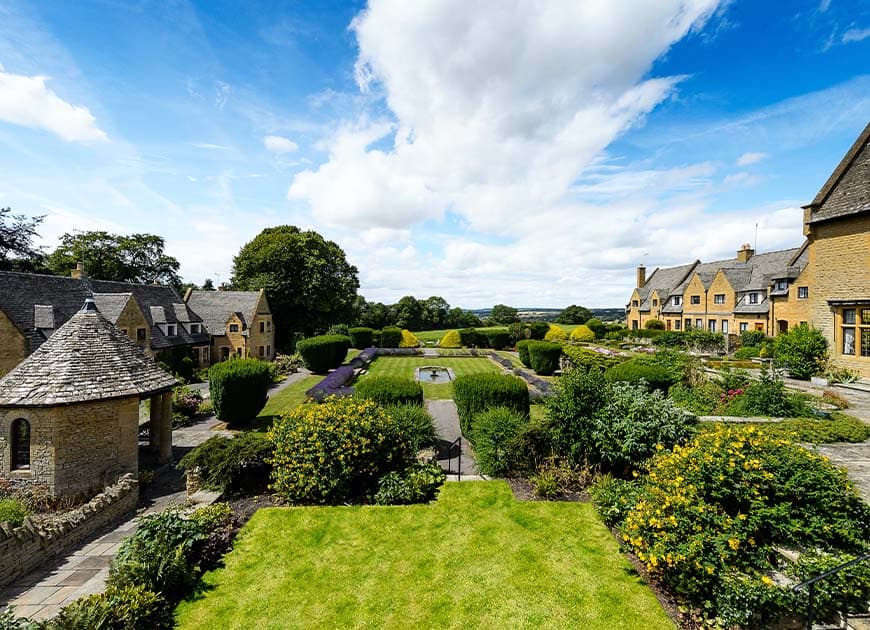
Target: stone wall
[[131, 320], [26, 548], [13, 345]]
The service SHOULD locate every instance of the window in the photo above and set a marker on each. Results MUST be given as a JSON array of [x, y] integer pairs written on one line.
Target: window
[[719, 298], [194, 328], [262, 350], [268, 351], [803, 293], [124, 330], [20, 443], [724, 326], [234, 328], [634, 324], [753, 298], [238, 352], [262, 327], [677, 300], [141, 333], [695, 299], [744, 327], [171, 330], [712, 325], [676, 324], [856, 332], [699, 323], [269, 325], [781, 285], [634, 303], [225, 353]]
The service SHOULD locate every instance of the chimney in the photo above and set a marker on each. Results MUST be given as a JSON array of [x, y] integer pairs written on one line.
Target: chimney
[[222, 287], [745, 253], [79, 272], [641, 276]]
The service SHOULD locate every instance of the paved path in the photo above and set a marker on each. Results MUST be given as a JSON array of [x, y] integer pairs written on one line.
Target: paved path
[[447, 428]]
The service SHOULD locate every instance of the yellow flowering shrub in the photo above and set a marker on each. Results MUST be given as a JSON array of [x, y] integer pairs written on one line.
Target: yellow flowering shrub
[[409, 340], [450, 339], [582, 334], [335, 452], [556, 334]]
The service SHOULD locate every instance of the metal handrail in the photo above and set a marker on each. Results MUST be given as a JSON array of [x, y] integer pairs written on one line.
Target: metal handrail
[[812, 585], [457, 443]]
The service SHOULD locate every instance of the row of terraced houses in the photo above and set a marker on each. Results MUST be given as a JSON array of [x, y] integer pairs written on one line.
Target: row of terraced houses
[[825, 282], [207, 326]]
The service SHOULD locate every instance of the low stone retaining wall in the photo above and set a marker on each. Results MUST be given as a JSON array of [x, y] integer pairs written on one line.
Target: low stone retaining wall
[[24, 549]]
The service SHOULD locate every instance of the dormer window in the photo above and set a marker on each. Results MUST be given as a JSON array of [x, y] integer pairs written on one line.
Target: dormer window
[[195, 329], [234, 328], [655, 302], [677, 300], [781, 285], [634, 303], [753, 298], [171, 330]]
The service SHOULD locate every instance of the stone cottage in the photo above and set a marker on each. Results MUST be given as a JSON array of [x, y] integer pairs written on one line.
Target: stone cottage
[[69, 413], [238, 322]]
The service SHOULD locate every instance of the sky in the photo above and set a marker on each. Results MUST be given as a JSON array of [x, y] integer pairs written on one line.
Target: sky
[[495, 151]]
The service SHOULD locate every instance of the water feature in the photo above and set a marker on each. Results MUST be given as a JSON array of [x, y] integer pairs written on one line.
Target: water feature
[[433, 374]]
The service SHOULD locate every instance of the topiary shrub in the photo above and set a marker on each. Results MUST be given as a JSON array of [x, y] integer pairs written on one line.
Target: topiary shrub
[[415, 425], [232, 466], [493, 430], [523, 350], [390, 390], [498, 339], [537, 330], [409, 340], [802, 351], [470, 338], [391, 337], [752, 337], [556, 334], [238, 389], [335, 452], [361, 337], [585, 358], [654, 324], [544, 357], [598, 327], [451, 339], [324, 352], [633, 371], [474, 393], [583, 334]]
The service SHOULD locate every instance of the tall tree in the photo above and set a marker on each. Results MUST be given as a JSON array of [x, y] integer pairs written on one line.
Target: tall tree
[[503, 314], [123, 258], [574, 315], [308, 281], [17, 252]]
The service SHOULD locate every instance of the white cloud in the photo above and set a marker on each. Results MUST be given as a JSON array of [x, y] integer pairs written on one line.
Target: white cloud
[[279, 144], [856, 35], [751, 158], [208, 146], [27, 101]]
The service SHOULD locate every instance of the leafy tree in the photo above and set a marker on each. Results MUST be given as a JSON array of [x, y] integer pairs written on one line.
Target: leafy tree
[[503, 314], [308, 281], [574, 315], [17, 252], [409, 313], [124, 258], [373, 314], [208, 285]]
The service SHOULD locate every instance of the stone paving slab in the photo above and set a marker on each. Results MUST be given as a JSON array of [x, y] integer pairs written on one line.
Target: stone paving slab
[[855, 458], [446, 419]]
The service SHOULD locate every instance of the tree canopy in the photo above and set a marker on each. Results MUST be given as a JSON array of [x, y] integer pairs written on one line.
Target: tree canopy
[[135, 258], [503, 314], [17, 252], [308, 281], [430, 314], [574, 315]]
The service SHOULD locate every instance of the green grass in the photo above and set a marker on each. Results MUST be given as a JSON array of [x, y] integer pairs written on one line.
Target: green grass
[[512, 356], [286, 400], [435, 335], [475, 558], [404, 366]]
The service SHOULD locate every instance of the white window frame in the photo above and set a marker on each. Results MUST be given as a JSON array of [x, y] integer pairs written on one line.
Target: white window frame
[[753, 297], [719, 298]]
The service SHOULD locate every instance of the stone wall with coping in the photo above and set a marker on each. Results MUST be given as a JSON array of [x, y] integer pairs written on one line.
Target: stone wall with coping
[[24, 549]]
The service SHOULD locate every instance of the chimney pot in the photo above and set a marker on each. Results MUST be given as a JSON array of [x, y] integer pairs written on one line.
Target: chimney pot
[[745, 253], [79, 272]]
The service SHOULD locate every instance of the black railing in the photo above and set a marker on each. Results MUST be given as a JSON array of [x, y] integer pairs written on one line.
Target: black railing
[[811, 585], [456, 444]]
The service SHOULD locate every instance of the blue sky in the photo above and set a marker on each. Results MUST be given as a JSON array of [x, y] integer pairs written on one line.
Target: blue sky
[[498, 151]]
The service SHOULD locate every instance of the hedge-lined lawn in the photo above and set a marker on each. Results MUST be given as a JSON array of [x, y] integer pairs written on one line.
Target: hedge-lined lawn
[[286, 400], [474, 558], [435, 335], [404, 366]]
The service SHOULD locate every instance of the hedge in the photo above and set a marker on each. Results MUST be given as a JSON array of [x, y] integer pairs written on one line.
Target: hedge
[[232, 465], [544, 357], [391, 337], [583, 334], [451, 339], [470, 338], [498, 339], [323, 353], [361, 337], [523, 350], [390, 390], [238, 389], [537, 330], [586, 358], [409, 340], [656, 377], [474, 393], [556, 334]]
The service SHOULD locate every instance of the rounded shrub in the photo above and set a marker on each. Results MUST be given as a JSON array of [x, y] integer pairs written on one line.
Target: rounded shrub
[[544, 357], [132, 607], [232, 466], [450, 339], [556, 334], [523, 350], [390, 390], [802, 350], [391, 337], [537, 330], [238, 389], [409, 340], [498, 339], [585, 358], [633, 371], [415, 425], [474, 393], [324, 352], [12, 511], [361, 337], [598, 327], [335, 452], [494, 430], [583, 334], [654, 324]]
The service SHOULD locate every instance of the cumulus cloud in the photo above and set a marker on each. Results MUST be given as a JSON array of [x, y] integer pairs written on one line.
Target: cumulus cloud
[[856, 35], [27, 101], [279, 144], [751, 158]]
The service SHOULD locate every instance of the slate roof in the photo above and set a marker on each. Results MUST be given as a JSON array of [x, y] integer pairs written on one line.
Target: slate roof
[[86, 359], [111, 305], [216, 307], [847, 191], [662, 280]]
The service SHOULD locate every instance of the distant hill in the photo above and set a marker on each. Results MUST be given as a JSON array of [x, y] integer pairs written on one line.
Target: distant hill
[[549, 314]]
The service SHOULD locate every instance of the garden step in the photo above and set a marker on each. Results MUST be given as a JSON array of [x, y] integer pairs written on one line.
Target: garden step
[[861, 622]]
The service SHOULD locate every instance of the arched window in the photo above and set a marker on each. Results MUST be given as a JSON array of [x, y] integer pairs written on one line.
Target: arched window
[[20, 444]]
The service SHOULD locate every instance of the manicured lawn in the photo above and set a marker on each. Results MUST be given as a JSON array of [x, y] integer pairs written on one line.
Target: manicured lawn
[[404, 366], [512, 357], [286, 400], [435, 335], [475, 558]]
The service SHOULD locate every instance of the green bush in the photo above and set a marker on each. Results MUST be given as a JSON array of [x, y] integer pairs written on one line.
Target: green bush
[[544, 357], [704, 341], [415, 425], [523, 350], [528, 450], [338, 329], [752, 337], [670, 339], [231, 465], [451, 339], [498, 339], [597, 326], [614, 498], [517, 331], [123, 608], [474, 393], [470, 338], [492, 431], [802, 350], [585, 358], [186, 401], [579, 395], [391, 337], [325, 352], [538, 330], [376, 339], [583, 334], [238, 389], [390, 390], [765, 397], [633, 371], [335, 452], [747, 352], [361, 337], [654, 324], [839, 428], [419, 483], [12, 511]]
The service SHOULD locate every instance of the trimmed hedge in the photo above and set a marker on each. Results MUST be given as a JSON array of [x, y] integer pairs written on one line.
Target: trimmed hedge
[[361, 337], [323, 353], [238, 389], [390, 390], [523, 350], [537, 330], [544, 357], [583, 334], [451, 339], [474, 393], [391, 337], [470, 338], [656, 377], [586, 358], [232, 466], [498, 339], [409, 340], [556, 334]]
